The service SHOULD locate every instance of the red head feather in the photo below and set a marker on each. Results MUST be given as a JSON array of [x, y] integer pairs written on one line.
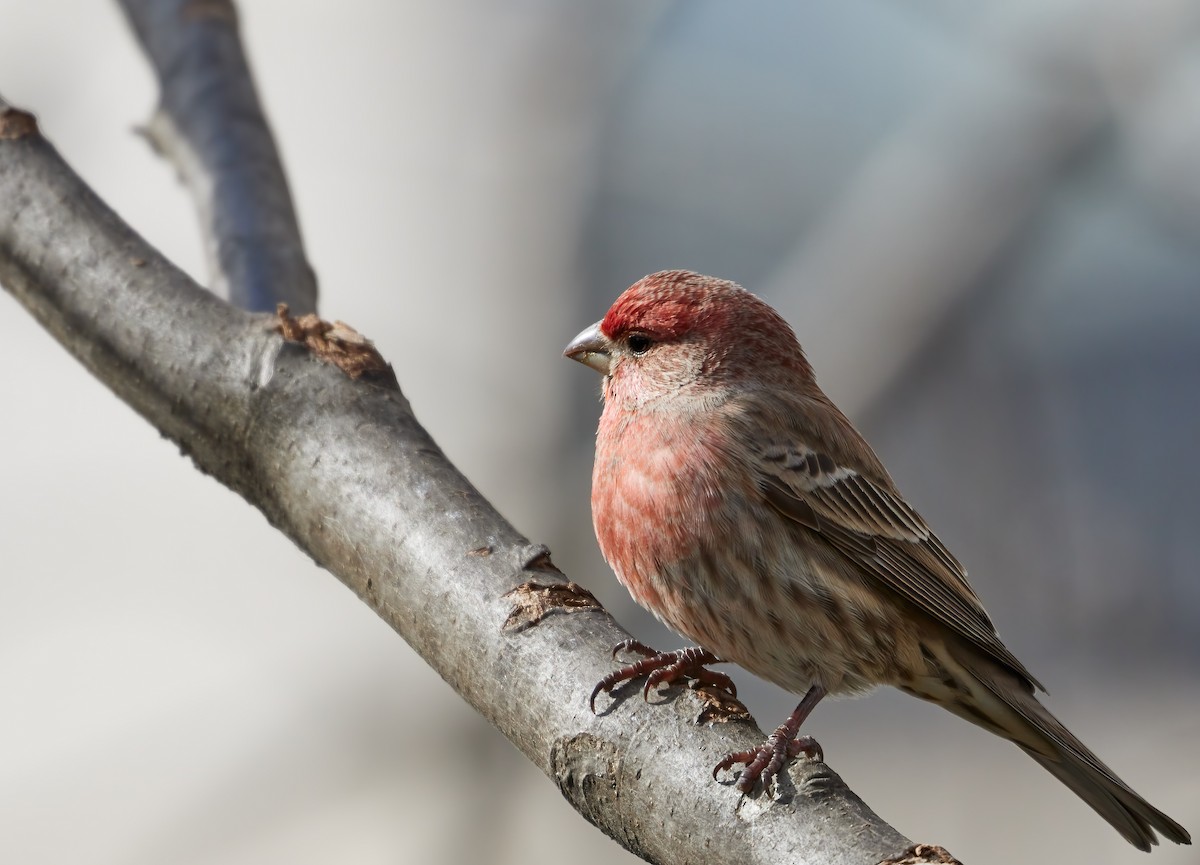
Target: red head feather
[[679, 305]]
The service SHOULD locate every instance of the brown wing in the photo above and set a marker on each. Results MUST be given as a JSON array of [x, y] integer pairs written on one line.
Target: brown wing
[[877, 530]]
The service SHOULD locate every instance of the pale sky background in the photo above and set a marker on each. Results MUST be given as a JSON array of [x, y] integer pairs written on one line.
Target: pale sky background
[[982, 222]]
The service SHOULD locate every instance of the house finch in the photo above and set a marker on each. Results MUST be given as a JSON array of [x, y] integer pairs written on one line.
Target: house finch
[[738, 504]]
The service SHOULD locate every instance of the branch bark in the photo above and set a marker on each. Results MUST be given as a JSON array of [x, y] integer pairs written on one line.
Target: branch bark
[[211, 126], [344, 470]]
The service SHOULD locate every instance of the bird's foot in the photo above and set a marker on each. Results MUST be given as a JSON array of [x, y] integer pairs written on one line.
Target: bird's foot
[[663, 668], [764, 762]]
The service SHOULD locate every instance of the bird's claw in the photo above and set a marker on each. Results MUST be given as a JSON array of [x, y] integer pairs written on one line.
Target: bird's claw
[[764, 762], [632, 645], [663, 668]]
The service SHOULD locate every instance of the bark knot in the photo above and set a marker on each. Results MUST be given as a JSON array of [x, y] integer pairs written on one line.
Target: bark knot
[[719, 706], [16, 124], [533, 601], [585, 769], [918, 854], [336, 343]]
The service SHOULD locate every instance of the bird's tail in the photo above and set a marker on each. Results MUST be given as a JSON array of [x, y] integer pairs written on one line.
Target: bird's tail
[[998, 700]]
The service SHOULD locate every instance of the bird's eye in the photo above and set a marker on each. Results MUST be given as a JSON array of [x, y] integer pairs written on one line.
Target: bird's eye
[[639, 343]]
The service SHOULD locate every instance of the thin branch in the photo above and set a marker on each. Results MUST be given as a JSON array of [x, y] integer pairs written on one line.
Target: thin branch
[[344, 469], [211, 126]]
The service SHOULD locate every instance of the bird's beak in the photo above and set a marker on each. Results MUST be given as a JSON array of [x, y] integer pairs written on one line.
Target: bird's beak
[[591, 348]]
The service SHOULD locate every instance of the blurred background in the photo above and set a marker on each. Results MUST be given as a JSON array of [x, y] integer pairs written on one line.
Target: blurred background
[[982, 220]]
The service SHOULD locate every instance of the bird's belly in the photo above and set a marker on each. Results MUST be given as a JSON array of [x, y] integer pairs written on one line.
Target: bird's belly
[[796, 638], [757, 593]]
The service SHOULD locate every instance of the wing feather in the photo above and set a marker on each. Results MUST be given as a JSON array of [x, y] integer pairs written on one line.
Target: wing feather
[[877, 530]]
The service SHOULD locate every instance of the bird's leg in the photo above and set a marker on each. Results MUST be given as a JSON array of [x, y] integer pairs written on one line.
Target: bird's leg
[[764, 762], [663, 668]]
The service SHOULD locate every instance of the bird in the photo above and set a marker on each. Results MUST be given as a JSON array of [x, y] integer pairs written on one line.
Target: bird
[[740, 506]]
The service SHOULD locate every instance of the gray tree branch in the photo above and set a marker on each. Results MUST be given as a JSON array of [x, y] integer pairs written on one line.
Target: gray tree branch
[[344, 469], [211, 126]]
